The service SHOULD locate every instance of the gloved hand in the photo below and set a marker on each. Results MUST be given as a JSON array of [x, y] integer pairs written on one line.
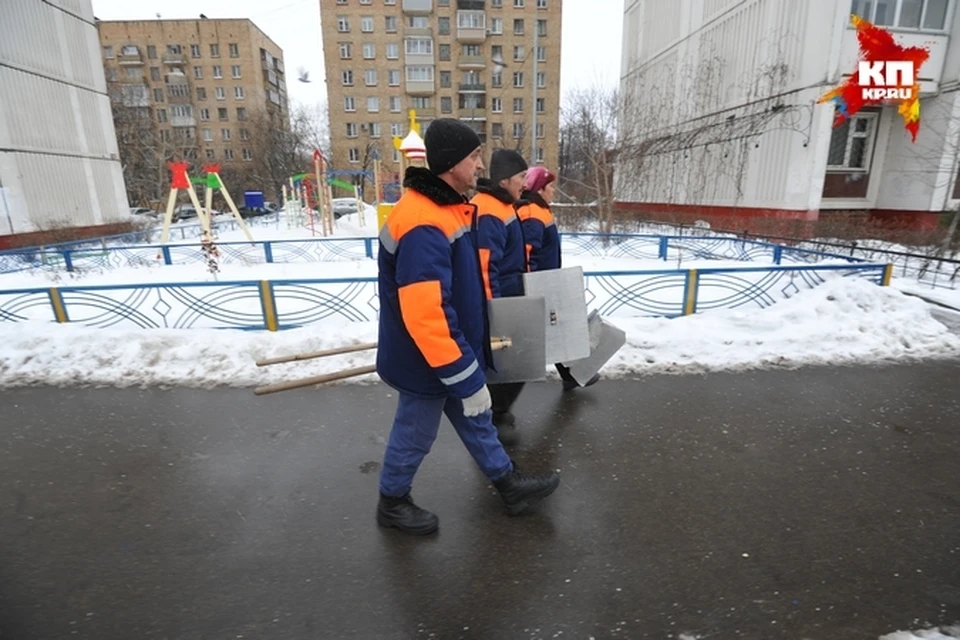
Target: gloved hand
[[477, 403]]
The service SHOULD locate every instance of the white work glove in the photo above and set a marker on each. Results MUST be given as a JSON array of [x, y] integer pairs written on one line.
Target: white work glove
[[477, 403]]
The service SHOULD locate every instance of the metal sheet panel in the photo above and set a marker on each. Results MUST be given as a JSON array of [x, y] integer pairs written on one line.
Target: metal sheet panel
[[565, 315], [605, 341], [521, 320]]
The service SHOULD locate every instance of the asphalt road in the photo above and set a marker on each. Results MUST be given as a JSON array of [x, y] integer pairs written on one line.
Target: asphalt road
[[822, 503]]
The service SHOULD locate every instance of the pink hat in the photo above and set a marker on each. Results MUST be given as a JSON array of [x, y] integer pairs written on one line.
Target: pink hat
[[538, 178]]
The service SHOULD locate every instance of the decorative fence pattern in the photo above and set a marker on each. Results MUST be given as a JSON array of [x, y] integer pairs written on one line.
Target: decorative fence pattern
[[285, 304]]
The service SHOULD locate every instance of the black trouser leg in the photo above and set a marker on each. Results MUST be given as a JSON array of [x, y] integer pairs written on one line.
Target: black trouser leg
[[565, 374], [503, 396]]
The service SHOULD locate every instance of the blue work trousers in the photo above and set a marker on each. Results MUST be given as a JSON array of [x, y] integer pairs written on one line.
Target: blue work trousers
[[415, 427]]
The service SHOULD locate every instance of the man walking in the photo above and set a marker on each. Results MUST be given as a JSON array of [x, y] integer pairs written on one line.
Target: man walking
[[434, 342], [503, 259]]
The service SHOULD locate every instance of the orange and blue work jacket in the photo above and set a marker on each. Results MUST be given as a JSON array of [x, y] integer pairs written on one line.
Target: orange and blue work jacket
[[500, 241], [434, 336], [540, 234]]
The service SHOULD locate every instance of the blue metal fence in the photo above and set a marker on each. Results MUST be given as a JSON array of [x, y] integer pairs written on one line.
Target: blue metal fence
[[285, 304]]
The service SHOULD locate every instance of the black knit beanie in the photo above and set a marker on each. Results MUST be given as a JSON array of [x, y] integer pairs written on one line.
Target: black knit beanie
[[448, 141], [505, 163]]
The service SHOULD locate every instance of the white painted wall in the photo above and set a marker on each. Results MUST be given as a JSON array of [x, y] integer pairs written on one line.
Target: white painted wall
[[59, 162]]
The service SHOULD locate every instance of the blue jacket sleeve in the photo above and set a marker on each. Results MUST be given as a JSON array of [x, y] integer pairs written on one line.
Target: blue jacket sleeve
[[491, 242], [533, 231], [424, 274]]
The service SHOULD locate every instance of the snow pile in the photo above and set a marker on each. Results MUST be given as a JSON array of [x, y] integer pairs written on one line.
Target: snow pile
[[846, 321], [944, 633]]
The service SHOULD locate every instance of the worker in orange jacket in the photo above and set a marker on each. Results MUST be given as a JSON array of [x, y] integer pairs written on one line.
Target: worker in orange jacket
[[434, 335]]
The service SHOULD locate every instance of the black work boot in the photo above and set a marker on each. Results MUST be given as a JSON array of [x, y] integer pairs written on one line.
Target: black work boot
[[506, 424], [519, 491], [402, 514]]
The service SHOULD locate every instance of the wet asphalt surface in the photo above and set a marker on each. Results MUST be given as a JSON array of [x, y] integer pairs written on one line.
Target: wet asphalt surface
[[822, 503]]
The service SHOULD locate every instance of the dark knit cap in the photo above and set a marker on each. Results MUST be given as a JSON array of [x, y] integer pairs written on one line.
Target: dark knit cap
[[505, 163], [448, 141]]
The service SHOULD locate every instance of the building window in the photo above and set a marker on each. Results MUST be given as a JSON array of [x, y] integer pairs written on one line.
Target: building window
[[225, 134], [446, 80], [393, 51], [471, 50], [349, 103], [201, 93], [178, 90], [923, 15], [198, 73], [374, 129], [396, 129], [152, 52], [369, 51], [343, 24], [541, 79], [217, 72], [518, 4], [204, 115], [158, 95], [370, 77], [443, 26], [222, 114], [420, 74], [228, 154], [496, 105], [347, 78], [518, 130], [373, 104], [208, 135], [542, 28], [519, 53], [345, 50], [419, 46], [541, 54], [849, 157], [354, 155], [214, 51], [518, 26], [541, 105], [238, 93], [496, 26], [366, 24], [421, 102], [518, 79], [390, 24], [108, 52], [244, 134], [539, 129], [161, 115], [444, 53], [541, 4], [471, 20], [396, 156], [446, 105], [234, 50], [211, 154], [221, 93], [236, 71], [395, 104], [518, 105], [539, 155], [247, 155], [241, 113], [393, 77], [496, 80], [351, 129], [194, 51], [134, 72], [496, 130], [155, 74]]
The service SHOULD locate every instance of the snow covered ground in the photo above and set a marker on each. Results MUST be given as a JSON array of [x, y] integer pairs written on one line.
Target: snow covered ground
[[844, 321], [936, 633]]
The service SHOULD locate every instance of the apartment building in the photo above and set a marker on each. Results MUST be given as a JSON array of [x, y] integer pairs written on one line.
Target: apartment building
[[735, 128], [200, 88], [494, 64], [59, 166]]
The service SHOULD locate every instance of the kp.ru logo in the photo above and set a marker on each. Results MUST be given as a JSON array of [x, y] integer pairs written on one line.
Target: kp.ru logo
[[887, 71]]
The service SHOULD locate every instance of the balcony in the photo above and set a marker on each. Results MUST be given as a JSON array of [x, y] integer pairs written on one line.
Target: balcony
[[426, 114], [174, 58], [128, 57], [418, 6], [418, 59], [472, 62], [270, 77], [472, 87], [419, 32], [420, 87], [473, 113], [471, 27], [183, 121]]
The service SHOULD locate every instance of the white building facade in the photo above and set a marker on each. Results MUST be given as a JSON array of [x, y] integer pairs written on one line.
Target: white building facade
[[720, 113], [59, 163]]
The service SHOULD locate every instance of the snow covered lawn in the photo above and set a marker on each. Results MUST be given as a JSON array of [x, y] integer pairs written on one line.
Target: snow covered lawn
[[844, 321]]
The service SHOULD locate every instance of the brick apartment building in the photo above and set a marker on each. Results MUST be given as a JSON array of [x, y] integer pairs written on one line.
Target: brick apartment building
[[191, 89], [386, 57]]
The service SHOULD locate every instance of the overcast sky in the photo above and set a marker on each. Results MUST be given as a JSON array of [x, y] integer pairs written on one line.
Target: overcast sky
[[592, 31]]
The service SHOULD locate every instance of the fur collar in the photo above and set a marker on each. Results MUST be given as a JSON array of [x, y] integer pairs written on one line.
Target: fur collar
[[534, 197], [484, 185], [422, 181]]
